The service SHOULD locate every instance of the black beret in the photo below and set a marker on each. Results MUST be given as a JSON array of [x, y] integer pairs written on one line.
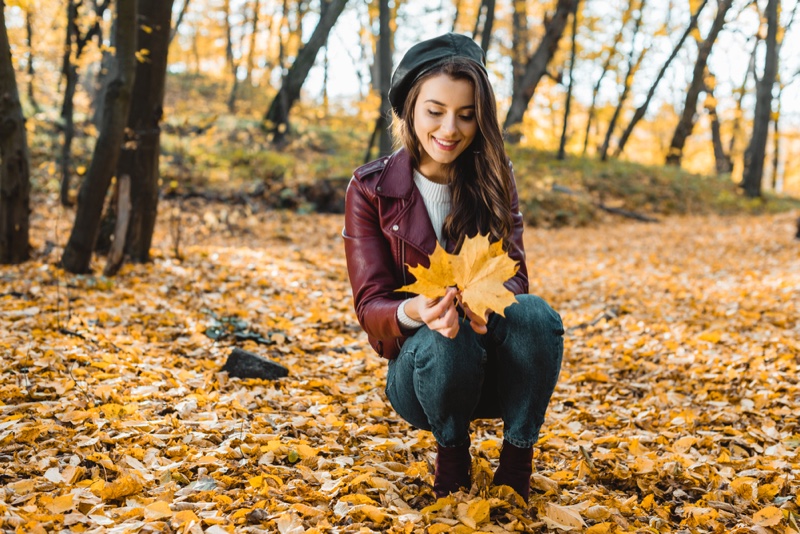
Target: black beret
[[425, 55]]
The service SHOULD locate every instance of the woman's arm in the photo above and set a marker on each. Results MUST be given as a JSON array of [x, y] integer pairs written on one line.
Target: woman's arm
[[370, 265]]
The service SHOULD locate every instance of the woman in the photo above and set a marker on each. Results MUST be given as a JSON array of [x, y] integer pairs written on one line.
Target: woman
[[450, 180]]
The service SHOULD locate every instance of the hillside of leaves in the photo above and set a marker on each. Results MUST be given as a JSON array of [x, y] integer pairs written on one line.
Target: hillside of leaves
[[676, 409]]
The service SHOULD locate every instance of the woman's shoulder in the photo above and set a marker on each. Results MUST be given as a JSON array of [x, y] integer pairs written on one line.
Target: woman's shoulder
[[374, 167]]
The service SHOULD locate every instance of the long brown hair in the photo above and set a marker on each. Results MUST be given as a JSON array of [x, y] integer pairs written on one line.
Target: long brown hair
[[480, 178]]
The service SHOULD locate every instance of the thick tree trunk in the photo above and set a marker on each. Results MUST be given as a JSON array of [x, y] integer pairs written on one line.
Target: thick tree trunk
[[139, 158], [756, 151], [15, 183], [78, 251], [633, 66], [686, 122], [536, 68], [641, 110], [562, 147], [277, 116]]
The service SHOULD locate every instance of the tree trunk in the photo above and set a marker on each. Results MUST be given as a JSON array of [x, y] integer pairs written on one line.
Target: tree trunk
[[455, 15], [488, 24], [251, 51], [139, 158], [15, 183], [178, 21], [519, 43], [385, 73], [756, 151], [107, 66], [75, 42], [562, 147], [233, 65], [722, 161], [70, 73], [536, 68], [277, 116], [78, 251], [686, 122], [776, 142], [740, 92], [31, 72], [641, 110], [633, 66], [612, 52]]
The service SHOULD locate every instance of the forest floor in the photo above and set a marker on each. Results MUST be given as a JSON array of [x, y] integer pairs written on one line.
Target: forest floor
[[676, 409]]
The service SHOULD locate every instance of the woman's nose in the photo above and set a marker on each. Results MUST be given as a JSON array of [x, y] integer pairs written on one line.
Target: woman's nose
[[449, 123]]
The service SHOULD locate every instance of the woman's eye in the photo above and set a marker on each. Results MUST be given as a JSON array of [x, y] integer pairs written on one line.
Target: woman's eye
[[467, 117], [434, 113]]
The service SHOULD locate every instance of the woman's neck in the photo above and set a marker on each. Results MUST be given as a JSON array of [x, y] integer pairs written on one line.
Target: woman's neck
[[434, 171]]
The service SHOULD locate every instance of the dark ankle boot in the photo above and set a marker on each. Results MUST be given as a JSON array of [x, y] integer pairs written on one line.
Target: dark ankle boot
[[452, 469], [515, 469]]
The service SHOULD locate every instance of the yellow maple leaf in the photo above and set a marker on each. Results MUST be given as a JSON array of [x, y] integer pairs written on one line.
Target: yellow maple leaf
[[434, 280], [479, 271]]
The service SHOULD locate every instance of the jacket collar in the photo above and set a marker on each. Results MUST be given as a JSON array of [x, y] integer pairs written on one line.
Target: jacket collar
[[411, 223], [397, 179]]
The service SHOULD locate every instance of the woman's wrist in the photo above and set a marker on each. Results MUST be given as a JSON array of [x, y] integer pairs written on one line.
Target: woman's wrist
[[411, 309]]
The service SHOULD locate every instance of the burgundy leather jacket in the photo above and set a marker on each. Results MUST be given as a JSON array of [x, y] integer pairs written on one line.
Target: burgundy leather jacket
[[386, 229]]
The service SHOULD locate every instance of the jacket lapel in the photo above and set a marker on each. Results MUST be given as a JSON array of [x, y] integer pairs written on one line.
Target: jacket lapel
[[410, 222]]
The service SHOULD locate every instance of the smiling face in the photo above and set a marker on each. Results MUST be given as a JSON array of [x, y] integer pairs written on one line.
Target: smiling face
[[444, 123]]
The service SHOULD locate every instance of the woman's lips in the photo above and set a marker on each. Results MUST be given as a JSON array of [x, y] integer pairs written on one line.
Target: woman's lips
[[445, 145]]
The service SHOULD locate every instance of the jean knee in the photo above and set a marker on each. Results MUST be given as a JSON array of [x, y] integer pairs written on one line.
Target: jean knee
[[456, 358], [534, 314]]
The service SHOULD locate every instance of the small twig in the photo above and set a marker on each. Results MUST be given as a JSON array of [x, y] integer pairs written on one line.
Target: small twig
[[68, 332], [85, 392], [588, 459]]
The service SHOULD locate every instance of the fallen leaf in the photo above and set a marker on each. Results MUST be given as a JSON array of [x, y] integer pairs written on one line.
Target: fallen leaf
[[768, 517], [479, 271]]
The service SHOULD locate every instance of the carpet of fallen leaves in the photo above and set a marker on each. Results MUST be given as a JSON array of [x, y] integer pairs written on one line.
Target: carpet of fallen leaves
[[677, 407]]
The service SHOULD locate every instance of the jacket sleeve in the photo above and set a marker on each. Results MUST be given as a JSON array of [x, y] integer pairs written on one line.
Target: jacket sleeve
[[519, 283], [370, 266]]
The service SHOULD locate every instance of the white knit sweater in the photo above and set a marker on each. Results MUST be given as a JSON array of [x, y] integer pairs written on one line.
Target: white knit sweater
[[438, 202]]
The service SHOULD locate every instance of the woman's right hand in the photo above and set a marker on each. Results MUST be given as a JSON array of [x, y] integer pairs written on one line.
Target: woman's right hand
[[441, 315]]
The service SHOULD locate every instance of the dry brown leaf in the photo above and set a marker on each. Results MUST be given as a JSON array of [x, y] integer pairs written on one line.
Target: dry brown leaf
[[768, 517], [562, 517], [122, 487]]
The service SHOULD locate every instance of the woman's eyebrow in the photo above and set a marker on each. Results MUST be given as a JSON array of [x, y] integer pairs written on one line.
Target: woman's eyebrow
[[432, 101]]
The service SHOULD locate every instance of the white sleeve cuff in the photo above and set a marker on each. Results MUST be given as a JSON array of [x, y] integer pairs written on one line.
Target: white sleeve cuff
[[406, 321]]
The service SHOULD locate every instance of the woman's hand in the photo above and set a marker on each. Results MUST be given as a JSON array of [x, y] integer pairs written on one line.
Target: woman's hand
[[440, 315], [477, 322]]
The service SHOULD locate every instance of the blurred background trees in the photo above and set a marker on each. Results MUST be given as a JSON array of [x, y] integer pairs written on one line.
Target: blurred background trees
[[269, 97]]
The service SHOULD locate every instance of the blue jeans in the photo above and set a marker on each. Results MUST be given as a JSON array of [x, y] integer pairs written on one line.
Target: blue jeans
[[442, 384]]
